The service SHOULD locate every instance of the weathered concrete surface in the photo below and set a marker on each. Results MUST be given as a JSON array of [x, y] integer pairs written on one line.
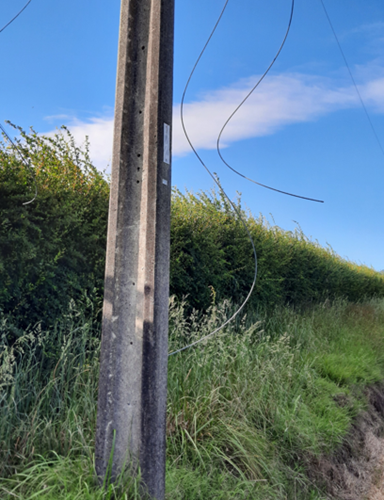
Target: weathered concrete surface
[[134, 352]]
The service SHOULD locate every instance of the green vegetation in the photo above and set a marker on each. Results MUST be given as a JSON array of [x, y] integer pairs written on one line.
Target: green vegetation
[[53, 250], [248, 410], [211, 250]]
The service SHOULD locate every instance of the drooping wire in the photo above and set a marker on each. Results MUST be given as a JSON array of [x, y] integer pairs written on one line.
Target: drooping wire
[[352, 78], [26, 163], [241, 104], [235, 208], [254, 277], [17, 15]]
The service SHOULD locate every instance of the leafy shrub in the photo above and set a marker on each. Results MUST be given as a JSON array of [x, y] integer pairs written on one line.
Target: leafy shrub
[[51, 250], [212, 258]]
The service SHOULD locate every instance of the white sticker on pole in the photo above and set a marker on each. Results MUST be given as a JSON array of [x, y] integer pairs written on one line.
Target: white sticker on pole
[[167, 144]]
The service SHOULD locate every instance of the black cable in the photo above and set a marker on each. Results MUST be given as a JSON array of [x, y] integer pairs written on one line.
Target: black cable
[[353, 80], [17, 15], [241, 104], [23, 160], [237, 211]]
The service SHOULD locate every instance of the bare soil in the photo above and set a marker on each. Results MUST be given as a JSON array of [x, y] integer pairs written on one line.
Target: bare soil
[[356, 471]]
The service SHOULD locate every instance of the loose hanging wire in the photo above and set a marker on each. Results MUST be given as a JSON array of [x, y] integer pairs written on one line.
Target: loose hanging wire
[[353, 80], [241, 104], [26, 163], [235, 208], [237, 211], [17, 15]]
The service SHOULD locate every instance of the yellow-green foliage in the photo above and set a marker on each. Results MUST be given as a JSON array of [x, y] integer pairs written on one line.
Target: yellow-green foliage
[[212, 252]]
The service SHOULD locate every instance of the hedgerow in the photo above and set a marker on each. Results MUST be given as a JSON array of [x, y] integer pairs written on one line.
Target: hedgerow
[[53, 250], [212, 259]]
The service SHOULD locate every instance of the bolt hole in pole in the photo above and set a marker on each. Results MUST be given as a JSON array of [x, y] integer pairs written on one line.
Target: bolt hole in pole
[[132, 396]]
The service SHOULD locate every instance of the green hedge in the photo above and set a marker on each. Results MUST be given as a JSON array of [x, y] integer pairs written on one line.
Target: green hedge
[[53, 250], [210, 248]]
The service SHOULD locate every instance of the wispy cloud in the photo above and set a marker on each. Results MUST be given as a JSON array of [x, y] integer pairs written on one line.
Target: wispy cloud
[[53, 118], [100, 135], [280, 101], [373, 94], [370, 31]]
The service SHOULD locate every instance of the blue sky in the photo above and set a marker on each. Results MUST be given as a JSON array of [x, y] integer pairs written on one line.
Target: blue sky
[[303, 130]]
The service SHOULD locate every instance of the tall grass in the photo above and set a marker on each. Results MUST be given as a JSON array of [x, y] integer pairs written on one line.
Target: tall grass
[[246, 409]]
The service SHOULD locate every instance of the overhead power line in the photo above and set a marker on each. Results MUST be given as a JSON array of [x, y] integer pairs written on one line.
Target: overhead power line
[[243, 102], [352, 78], [236, 210], [17, 15]]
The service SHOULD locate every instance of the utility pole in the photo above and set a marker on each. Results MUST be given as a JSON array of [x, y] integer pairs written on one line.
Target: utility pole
[[131, 420]]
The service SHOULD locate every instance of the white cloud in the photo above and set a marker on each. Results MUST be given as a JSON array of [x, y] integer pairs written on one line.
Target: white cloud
[[100, 134], [373, 93], [53, 118], [280, 101]]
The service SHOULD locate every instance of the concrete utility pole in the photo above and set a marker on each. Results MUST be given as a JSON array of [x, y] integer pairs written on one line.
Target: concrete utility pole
[[131, 418]]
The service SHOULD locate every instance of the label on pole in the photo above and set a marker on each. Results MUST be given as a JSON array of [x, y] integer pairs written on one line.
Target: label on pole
[[167, 144]]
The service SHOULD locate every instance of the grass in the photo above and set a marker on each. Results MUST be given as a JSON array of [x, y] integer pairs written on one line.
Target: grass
[[245, 408], [65, 478]]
